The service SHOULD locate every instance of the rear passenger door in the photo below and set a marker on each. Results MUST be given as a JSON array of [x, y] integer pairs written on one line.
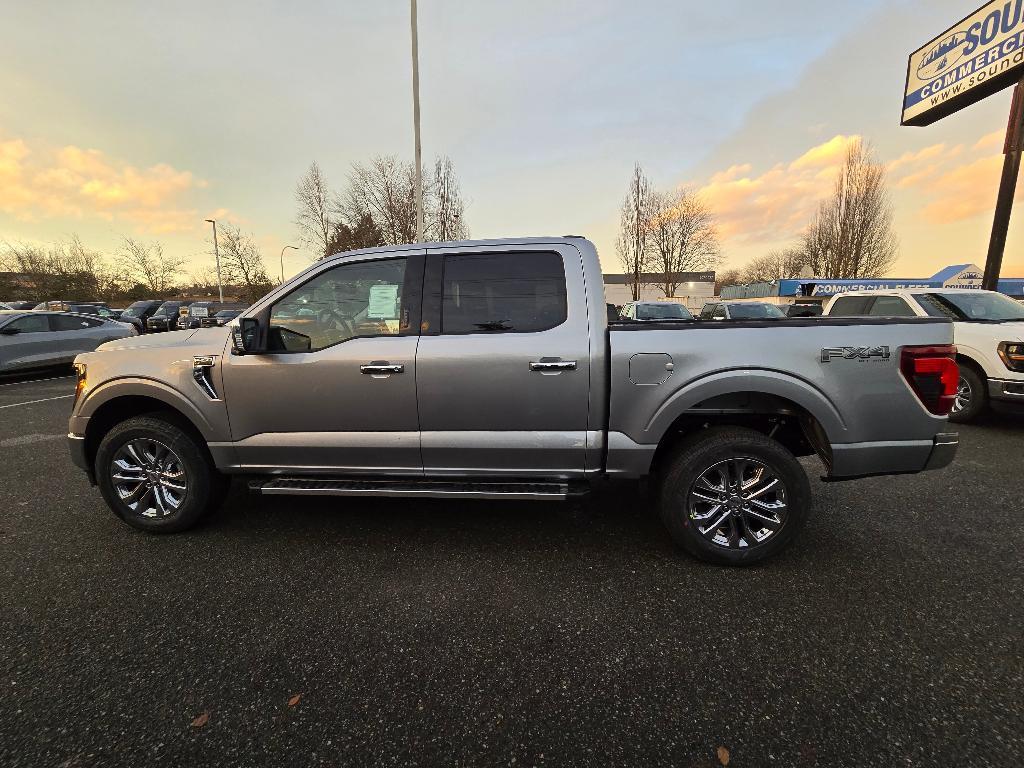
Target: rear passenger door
[[503, 365], [74, 334]]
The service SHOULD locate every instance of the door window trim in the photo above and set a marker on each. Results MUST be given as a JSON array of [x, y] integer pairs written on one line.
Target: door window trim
[[412, 290]]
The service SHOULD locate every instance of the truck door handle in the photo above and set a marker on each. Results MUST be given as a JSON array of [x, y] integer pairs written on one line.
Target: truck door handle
[[553, 365], [379, 369]]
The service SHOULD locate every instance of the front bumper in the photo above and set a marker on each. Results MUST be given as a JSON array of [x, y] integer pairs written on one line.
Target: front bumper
[[79, 457], [1006, 395]]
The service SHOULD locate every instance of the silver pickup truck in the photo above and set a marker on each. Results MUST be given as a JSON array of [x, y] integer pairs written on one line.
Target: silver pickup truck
[[490, 370]]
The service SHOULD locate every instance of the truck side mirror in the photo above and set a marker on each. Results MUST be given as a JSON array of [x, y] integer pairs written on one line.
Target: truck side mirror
[[245, 336]]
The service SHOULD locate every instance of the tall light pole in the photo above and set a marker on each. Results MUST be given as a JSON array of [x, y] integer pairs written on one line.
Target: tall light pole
[[216, 251], [282, 258], [416, 121]]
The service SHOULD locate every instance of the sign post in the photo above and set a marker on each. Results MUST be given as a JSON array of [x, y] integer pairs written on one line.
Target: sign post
[[1007, 188]]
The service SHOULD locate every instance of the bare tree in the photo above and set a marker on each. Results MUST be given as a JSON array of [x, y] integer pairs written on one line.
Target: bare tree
[[448, 213], [852, 234], [727, 278], [682, 237], [242, 263], [634, 227], [776, 265], [385, 189], [314, 218], [148, 265]]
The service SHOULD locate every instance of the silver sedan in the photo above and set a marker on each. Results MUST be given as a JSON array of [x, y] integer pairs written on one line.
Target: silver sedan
[[40, 339]]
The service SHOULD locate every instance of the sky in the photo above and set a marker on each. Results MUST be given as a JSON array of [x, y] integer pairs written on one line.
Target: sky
[[142, 119]]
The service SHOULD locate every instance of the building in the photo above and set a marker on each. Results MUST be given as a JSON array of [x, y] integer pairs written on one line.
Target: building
[[695, 288], [806, 290]]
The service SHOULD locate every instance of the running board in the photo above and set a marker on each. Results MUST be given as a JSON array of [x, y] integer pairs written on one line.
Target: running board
[[434, 489]]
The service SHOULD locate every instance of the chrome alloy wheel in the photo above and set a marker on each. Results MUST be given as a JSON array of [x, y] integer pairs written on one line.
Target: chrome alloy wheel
[[737, 503], [149, 478], [963, 396]]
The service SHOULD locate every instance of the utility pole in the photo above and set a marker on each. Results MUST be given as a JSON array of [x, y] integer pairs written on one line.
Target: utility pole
[[1007, 187], [416, 121], [282, 258], [216, 251]]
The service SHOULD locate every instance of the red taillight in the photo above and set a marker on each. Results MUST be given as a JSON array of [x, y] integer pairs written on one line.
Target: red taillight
[[933, 374]]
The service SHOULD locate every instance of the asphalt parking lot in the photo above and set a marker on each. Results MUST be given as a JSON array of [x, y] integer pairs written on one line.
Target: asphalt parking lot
[[298, 632]]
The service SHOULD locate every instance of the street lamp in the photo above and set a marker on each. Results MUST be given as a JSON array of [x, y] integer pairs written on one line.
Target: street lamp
[[294, 247], [216, 250]]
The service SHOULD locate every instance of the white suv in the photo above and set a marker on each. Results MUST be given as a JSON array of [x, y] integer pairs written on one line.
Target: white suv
[[988, 330]]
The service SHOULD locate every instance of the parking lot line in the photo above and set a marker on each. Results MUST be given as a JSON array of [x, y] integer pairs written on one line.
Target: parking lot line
[[35, 381], [32, 402]]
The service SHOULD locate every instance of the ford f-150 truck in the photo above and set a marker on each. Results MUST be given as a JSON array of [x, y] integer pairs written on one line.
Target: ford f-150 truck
[[490, 370]]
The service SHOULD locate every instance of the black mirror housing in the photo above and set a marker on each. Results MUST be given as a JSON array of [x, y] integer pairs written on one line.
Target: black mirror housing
[[245, 337]]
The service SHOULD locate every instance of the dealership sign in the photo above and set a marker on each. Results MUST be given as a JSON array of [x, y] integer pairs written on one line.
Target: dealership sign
[[982, 54]]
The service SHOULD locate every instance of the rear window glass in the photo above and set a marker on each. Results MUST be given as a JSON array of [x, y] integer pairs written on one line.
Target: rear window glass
[[891, 306], [503, 293], [754, 311], [662, 312], [851, 305]]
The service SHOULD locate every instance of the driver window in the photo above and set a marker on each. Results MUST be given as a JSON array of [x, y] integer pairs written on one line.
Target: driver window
[[349, 301]]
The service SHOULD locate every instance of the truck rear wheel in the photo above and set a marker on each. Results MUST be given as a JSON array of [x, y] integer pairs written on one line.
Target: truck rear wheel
[[156, 477], [734, 496]]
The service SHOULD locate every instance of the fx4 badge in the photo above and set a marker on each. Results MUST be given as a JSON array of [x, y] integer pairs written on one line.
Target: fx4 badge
[[828, 354]]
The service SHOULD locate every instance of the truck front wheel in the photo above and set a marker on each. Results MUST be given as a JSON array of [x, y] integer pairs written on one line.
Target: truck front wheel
[[155, 476], [734, 496]]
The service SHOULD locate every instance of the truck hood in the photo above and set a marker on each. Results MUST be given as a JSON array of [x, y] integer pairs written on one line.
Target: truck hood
[[202, 340]]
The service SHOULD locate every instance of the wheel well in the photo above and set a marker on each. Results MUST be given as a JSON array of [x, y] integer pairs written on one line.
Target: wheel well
[[113, 412], [970, 362], [781, 419]]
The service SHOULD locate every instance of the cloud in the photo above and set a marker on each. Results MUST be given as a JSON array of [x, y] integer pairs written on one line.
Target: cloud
[[778, 203], [953, 184], [71, 182]]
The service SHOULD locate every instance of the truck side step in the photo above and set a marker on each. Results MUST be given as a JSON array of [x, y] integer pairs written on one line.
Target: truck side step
[[523, 490]]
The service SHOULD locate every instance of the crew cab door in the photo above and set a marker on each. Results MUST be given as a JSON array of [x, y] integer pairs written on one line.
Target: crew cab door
[[335, 390], [503, 367]]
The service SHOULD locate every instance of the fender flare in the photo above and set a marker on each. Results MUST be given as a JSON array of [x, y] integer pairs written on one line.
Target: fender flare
[[137, 386], [762, 381]]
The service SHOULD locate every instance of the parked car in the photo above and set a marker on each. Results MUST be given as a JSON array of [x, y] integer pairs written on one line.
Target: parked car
[[225, 316], [741, 310], [138, 312], [988, 329], [489, 370], [165, 317], [804, 310], [203, 314], [655, 310], [6, 307], [22, 305], [41, 339]]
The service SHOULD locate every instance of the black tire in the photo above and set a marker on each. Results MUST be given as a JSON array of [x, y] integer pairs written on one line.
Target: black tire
[[188, 466], [753, 452], [973, 389]]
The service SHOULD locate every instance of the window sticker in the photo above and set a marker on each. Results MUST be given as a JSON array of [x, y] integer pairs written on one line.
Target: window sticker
[[383, 302]]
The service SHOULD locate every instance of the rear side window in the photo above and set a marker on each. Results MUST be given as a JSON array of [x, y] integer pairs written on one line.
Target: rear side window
[[503, 293], [707, 311], [29, 324], [851, 305], [891, 306], [72, 323]]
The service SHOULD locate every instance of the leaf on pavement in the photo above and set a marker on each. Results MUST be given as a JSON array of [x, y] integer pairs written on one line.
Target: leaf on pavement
[[723, 755], [294, 699], [200, 721]]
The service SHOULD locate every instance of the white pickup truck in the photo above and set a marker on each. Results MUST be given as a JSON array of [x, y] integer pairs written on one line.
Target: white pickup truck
[[988, 330]]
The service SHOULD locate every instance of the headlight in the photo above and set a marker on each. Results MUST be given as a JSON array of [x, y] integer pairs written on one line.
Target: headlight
[[1012, 354]]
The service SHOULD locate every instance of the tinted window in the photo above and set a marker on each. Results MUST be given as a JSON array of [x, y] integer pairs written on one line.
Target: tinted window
[[754, 311], [350, 300], [72, 322], [851, 305], [662, 312], [501, 293], [30, 324], [719, 312], [707, 310], [891, 306]]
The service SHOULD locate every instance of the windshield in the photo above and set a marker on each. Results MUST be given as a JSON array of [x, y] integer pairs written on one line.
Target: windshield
[[754, 311], [166, 309], [662, 312], [983, 306], [136, 309]]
